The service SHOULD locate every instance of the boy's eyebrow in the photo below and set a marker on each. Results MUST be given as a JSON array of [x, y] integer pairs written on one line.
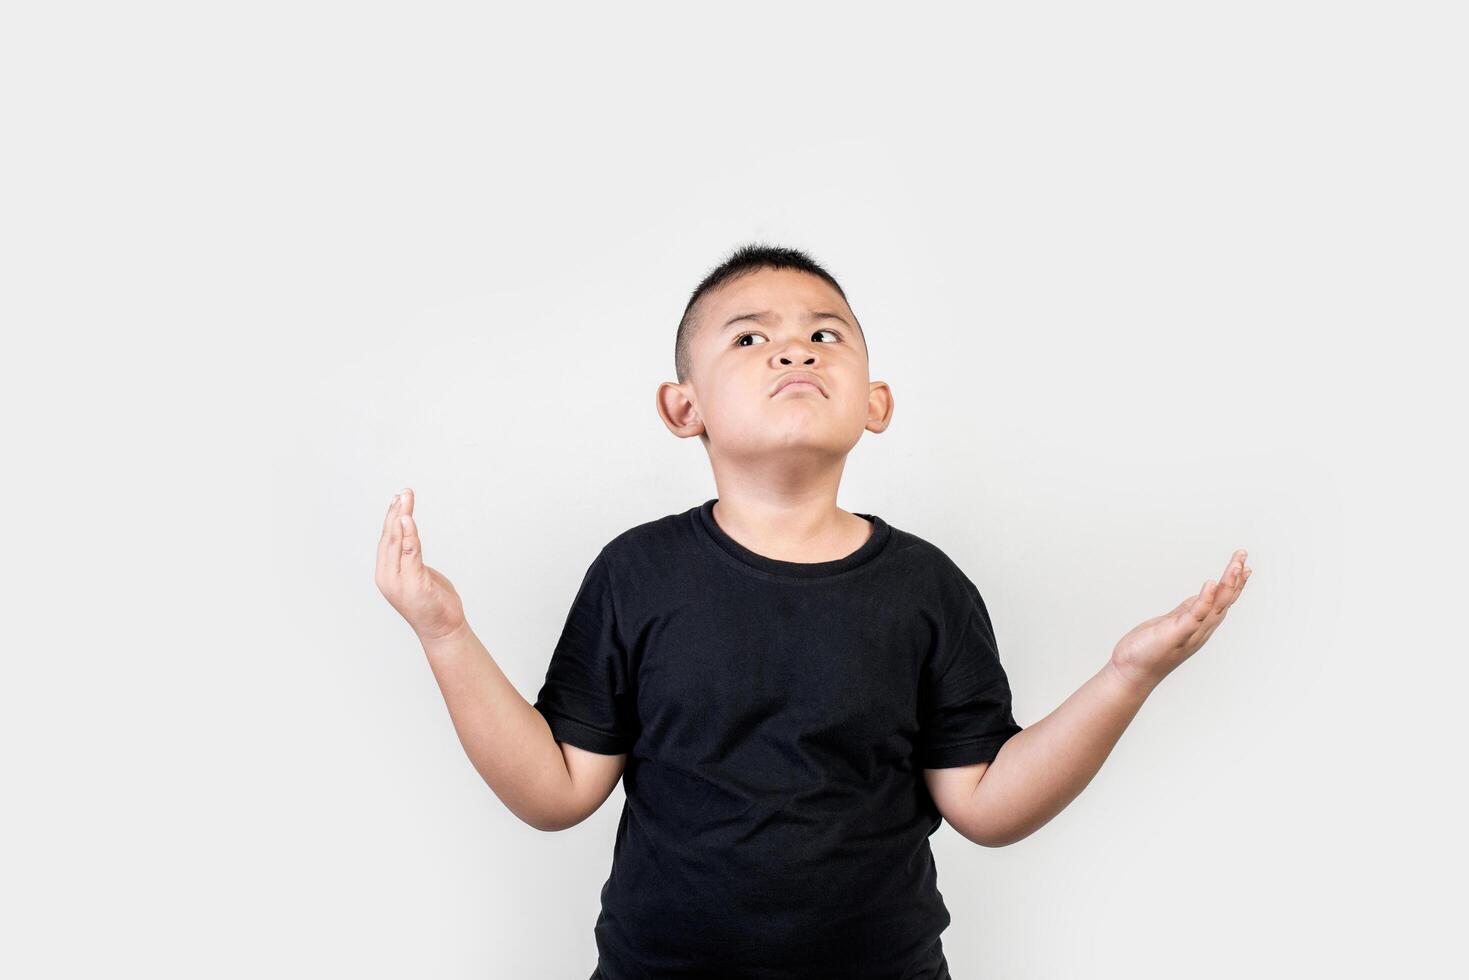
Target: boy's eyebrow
[[761, 316]]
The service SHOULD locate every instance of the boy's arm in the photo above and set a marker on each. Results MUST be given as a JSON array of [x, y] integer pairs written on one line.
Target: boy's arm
[[510, 743], [1042, 768], [1039, 769]]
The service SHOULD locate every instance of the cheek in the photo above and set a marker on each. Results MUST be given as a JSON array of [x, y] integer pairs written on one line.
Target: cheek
[[733, 402], [855, 400]]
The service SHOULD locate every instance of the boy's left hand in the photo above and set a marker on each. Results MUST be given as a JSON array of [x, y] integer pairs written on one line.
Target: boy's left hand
[[1154, 648]]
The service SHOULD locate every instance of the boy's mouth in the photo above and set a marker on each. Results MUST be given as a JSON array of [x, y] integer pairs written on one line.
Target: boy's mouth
[[799, 380]]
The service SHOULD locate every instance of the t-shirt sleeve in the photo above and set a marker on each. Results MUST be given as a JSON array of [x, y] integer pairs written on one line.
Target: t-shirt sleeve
[[966, 711], [587, 698]]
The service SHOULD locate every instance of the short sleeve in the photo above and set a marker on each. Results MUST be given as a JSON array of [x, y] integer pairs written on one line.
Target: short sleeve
[[587, 698], [965, 696]]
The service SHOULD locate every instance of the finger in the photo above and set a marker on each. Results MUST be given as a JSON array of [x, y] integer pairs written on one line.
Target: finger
[[1201, 604], [1230, 582], [1224, 592], [390, 519], [412, 552], [1181, 618], [1219, 614], [1241, 575], [1244, 576], [408, 496], [1236, 561], [387, 545], [1213, 624]]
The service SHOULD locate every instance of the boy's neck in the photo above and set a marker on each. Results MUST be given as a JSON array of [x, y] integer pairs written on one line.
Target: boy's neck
[[806, 527]]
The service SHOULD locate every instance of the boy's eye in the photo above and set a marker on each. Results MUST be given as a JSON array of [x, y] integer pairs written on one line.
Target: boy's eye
[[739, 338]]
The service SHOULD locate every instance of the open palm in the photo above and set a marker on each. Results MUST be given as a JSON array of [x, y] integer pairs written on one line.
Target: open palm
[[424, 597], [1152, 649]]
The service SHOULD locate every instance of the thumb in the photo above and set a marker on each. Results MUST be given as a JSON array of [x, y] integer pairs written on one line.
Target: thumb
[[1196, 607], [410, 557]]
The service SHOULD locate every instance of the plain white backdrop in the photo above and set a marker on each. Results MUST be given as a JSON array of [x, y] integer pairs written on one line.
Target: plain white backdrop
[[1150, 282]]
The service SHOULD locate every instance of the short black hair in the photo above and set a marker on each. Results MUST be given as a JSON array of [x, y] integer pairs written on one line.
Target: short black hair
[[742, 261]]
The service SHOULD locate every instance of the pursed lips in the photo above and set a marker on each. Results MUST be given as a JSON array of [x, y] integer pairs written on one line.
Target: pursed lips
[[799, 380]]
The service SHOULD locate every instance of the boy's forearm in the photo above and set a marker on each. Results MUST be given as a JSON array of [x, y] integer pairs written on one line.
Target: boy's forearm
[[506, 738], [1041, 769]]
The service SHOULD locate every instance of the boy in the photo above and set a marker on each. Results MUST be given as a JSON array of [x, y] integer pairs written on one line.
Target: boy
[[795, 696]]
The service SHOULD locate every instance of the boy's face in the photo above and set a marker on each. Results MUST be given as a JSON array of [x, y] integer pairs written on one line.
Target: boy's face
[[750, 334]]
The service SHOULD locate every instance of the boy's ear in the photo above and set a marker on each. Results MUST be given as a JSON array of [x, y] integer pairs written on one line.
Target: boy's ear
[[676, 408], [879, 406]]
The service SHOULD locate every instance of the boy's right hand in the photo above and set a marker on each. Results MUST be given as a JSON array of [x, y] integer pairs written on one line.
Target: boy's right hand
[[423, 596]]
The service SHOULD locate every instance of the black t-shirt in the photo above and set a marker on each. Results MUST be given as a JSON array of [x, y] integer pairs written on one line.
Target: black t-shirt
[[777, 718]]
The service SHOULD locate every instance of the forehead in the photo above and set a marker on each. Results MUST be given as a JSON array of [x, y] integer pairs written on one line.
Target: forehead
[[782, 291]]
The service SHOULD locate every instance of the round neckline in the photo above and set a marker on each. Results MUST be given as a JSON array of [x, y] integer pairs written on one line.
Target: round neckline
[[732, 549]]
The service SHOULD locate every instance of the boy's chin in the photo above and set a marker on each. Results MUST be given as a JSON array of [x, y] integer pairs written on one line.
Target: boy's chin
[[794, 442]]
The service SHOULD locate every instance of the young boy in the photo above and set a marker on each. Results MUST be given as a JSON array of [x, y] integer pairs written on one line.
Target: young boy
[[794, 696]]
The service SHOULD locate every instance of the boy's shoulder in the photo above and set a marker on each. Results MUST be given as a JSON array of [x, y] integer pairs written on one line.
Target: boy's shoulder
[[922, 556], [917, 547], [659, 538]]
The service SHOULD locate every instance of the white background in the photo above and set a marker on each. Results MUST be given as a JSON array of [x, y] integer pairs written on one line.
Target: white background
[[1150, 282]]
